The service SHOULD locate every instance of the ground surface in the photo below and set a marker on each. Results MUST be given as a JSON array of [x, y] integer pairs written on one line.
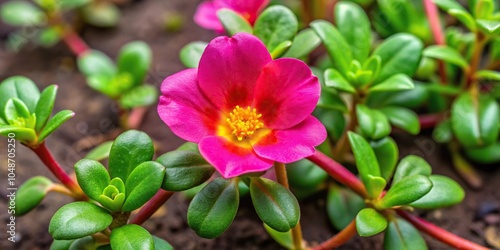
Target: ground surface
[[96, 116]]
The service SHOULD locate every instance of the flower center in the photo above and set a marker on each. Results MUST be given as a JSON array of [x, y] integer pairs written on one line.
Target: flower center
[[244, 122]]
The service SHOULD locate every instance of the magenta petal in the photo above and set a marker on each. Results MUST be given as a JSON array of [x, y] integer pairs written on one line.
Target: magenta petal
[[286, 93], [232, 160], [206, 16], [248, 8], [184, 109], [229, 69], [292, 144]]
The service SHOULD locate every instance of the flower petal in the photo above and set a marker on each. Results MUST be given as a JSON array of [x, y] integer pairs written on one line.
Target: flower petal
[[232, 159], [248, 9], [229, 69], [185, 109], [292, 144], [206, 16], [286, 93]]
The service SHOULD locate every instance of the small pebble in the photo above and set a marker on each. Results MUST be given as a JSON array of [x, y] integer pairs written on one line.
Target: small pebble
[[492, 219], [485, 208]]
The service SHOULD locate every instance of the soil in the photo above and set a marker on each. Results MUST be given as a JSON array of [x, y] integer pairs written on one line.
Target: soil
[[96, 116]]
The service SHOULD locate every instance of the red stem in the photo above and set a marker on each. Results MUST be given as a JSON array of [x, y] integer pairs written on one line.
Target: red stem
[[75, 42], [151, 207], [340, 238], [433, 17], [136, 117], [429, 120], [338, 172], [439, 233], [54, 167]]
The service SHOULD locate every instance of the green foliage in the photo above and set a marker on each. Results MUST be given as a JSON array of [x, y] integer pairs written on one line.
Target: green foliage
[[370, 222], [141, 239], [190, 54], [213, 209], [21, 13], [233, 22], [31, 193], [142, 184], [402, 235], [342, 206], [275, 25], [276, 206]]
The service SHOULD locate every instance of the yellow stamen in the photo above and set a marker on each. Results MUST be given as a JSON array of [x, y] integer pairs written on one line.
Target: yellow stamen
[[244, 122]]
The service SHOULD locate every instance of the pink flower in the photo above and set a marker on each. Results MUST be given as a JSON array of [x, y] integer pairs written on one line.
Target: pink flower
[[206, 14], [243, 108]]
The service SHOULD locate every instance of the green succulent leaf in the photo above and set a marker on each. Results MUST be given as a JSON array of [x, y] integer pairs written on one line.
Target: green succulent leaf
[[400, 54], [96, 63], [402, 118], [489, 27], [448, 5], [275, 25], [18, 87], [184, 170], [44, 106], [283, 238], [445, 192], [100, 152], [139, 96], [161, 244], [77, 220], [447, 54], [373, 123], [31, 193], [475, 119], [484, 155], [213, 209], [402, 235], [275, 204], [411, 165], [73, 4], [465, 18], [61, 244], [408, 190], [370, 222], [21, 13], [135, 59], [336, 46], [280, 49], [342, 206], [488, 75], [233, 22], [375, 185], [334, 79], [54, 123], [25, 135], [303, 44], [304, 174], [331, 100], [366, 161], [442, 133], [87, 242], [92, 177], [413, 98], [142, 184], [387, 153], [15, 109], [483, 9], [190, 54], [121, 238], [354, 26], [396, 82], [130, 149], [101, 14]]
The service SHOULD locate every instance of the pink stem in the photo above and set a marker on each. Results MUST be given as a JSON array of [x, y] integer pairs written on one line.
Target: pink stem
[[439, 233], [433, 17], [429, 120], [136, 117], [338, 172], [54, 167], [151, 207], [75, 42]]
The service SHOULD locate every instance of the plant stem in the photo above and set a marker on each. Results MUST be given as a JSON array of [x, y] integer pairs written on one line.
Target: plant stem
[[136, 116], [283, 180], [338, 172], [433, 17], [464, 169], [74, 42], [429, 120], [439, 233], [151, 207], [54, 167], [479, 44], [340, 238], [306, 11], [62, 190]]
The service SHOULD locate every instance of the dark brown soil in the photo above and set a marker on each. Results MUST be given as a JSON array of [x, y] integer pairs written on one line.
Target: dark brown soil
[[96, 116]]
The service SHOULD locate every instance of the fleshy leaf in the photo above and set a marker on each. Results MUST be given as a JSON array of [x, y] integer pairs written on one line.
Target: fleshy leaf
[[447, 54], [370, 222], [44, 106], [336, 46], [139, 96], [55, 123], [190, 54], [275, 204], [121, 238], [184, 170], [334, 79], [100, 152], [387, 153], [411, 165], [303, 44], [31, 193], [396, 82], [93, 62], [445, 192], [213, 209], [402, 235], [78, 219], [366, 161], [408, 190], [233, 22], [402, 118], [275, 25], [142, 184], [342, 206], [135, 59], [373, 123], [354, 26], [92, 177], [18, 87]]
